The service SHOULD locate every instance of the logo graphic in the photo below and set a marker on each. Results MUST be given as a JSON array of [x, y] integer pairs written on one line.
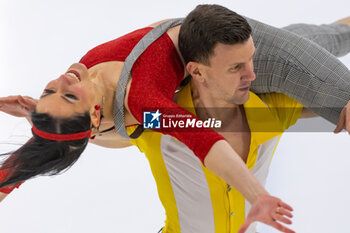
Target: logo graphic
[[151, 120]]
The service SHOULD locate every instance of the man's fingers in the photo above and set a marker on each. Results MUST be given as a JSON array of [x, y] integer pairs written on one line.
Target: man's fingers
[[341, 122], [285, 212], [280, 218], [347, 119], [244, 227], [340, 126], [285, 206], [282, 228]]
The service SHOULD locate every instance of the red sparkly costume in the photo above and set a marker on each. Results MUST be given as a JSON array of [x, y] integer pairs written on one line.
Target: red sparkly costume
[[7, 189], [155, 77]]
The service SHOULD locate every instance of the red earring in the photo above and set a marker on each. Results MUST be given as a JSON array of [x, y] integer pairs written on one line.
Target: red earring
[[97, 107]]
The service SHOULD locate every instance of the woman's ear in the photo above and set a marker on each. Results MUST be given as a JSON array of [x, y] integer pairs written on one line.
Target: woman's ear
[[196, 71], [95, 116]]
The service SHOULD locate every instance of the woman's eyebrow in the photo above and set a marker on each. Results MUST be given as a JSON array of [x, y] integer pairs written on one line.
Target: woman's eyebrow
[[67, 100], [61, 97]]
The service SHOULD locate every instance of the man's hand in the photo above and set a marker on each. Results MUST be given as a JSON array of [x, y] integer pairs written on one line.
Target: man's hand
[[344, 120], [18, 106], [271, 211]]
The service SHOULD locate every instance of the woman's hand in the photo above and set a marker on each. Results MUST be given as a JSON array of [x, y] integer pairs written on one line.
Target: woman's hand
[[18, 106], [271, 211]]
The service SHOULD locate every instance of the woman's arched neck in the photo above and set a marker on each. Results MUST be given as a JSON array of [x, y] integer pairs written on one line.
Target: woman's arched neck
[[106, 76]]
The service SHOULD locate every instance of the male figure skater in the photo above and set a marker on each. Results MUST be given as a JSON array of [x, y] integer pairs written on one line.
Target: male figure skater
[[195, 186]]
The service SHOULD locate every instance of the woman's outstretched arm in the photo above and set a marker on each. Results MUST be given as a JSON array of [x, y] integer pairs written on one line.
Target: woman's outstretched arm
[[2, 196], [18, 106]]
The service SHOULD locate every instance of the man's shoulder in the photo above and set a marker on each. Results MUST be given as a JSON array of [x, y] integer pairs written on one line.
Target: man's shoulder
[[284, 108]]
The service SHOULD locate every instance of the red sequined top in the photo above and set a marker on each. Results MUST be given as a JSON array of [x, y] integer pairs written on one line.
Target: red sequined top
[[155, 77]]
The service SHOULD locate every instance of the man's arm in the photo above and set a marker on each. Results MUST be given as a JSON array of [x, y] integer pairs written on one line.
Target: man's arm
[[307, 113], [343, 122], [227, 164]]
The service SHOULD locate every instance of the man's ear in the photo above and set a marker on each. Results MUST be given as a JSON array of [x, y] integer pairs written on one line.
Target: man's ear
[[196, 71], [95, 116]]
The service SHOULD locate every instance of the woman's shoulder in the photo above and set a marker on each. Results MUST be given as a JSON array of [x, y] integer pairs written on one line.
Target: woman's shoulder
[[115, 50]]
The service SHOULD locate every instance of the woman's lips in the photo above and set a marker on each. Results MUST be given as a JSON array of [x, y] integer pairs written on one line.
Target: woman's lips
[[74, 72], [72, 79]]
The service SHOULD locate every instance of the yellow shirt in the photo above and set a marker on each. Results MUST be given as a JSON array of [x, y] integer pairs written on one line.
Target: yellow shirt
[[194, 198]]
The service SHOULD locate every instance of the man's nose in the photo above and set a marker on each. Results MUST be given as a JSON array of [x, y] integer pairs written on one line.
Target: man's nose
[[249, 74]]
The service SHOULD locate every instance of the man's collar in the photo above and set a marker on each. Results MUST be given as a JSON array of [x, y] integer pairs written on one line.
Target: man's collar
[[262, 123]]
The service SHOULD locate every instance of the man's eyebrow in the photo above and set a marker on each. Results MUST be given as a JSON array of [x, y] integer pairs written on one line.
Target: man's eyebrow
[[236, 64], [240, 63]]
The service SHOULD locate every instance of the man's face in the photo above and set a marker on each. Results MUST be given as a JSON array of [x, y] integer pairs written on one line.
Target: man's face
[[230, 73]]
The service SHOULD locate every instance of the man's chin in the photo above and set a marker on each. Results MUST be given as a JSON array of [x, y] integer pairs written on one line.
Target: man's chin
[[244, 98], [240, 100]]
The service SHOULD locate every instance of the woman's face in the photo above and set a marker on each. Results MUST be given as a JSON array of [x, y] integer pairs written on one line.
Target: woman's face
[[70, 94]]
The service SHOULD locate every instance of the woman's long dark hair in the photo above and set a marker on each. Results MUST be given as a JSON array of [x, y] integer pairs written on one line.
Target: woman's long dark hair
[[41, 156]]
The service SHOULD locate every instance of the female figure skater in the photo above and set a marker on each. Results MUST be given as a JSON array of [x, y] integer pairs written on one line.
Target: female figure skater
[[83, 103]]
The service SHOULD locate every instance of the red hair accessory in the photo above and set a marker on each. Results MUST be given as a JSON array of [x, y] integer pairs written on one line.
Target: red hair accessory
[[61, 137]]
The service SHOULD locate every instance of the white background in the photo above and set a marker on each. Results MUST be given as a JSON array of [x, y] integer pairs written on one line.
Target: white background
[[113, 190]]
